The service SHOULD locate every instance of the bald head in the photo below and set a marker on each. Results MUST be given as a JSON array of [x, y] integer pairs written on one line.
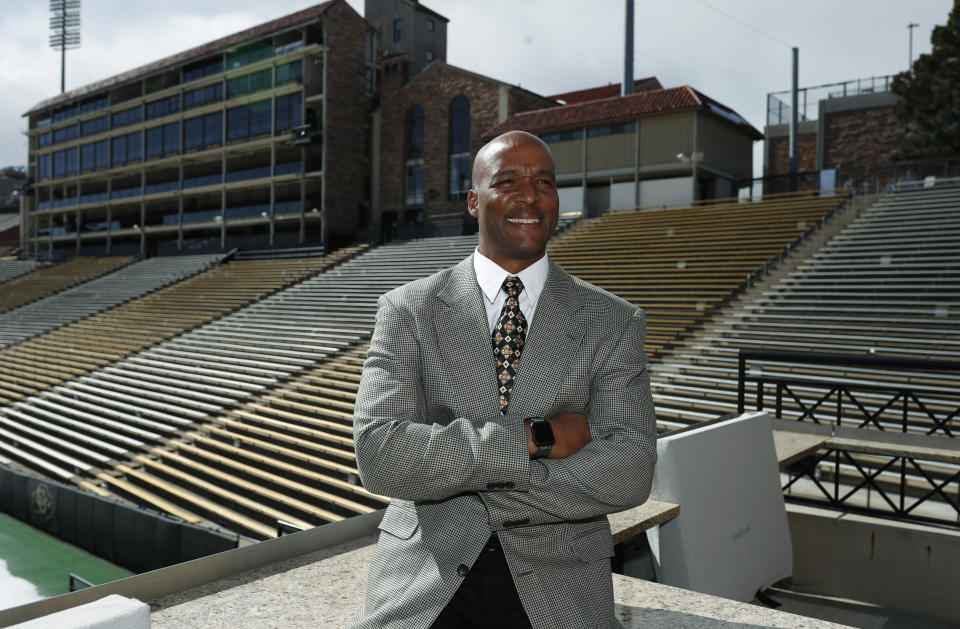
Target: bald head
[[498, 144]]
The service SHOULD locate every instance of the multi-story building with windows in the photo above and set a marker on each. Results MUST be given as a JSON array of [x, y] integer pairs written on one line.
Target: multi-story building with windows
[[254, 140]]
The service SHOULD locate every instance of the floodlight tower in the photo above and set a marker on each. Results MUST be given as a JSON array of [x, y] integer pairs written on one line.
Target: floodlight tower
[[65, 24]]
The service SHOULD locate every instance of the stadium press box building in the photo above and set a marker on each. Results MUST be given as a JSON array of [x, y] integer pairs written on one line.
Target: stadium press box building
[[254, 140]]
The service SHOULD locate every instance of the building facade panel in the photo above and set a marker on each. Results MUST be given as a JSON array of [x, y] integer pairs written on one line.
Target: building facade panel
[[662, 137]]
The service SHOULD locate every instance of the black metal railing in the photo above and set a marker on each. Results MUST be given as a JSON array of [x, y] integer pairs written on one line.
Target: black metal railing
[[904, 399], [902, 485], [75, 579]]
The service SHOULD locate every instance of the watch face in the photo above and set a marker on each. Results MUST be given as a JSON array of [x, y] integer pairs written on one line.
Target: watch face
[[542, 433]]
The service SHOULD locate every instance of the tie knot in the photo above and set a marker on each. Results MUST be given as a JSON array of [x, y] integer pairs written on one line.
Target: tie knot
[[512, 285]]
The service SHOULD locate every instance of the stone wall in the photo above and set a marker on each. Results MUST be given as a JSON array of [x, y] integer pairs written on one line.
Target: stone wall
[[345, 117], [862, 138]]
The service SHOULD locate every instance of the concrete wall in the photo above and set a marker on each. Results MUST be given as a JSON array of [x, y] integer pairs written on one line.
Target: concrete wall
[[904, 566]]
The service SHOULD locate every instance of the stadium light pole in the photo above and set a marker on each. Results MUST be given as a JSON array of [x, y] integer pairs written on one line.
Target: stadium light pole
[[910, 27], [627, 87], [794, 121], [65, 24]]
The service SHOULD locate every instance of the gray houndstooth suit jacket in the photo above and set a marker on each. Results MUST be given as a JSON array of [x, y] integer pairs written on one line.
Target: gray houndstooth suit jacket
[[429, 434]]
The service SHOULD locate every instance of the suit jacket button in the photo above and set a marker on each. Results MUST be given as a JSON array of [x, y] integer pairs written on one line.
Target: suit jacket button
[[462, 570]]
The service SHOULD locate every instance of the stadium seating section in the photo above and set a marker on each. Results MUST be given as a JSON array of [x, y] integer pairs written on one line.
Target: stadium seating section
[[680, 265], [226, 394]]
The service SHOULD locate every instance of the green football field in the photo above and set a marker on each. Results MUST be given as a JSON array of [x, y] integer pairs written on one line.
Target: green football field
[[29, 555]]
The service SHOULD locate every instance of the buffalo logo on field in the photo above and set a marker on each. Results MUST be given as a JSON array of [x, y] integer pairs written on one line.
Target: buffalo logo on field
[[41, 503]]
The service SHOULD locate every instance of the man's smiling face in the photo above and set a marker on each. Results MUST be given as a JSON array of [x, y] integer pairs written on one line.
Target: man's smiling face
[[514, 198]]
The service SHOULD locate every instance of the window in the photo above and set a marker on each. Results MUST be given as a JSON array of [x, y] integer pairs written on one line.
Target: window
[[162, 141], [459, 148], [397, 29], [45, 139], [93, 156], [430, 55], [550, 138], [64, 134], [213, 129], [87, 158], [288, 111], [249, 54], [163, 107], [192, 133], [202, 132], [97, 125], [248, 121], [413, 152], [202, 96], [126, 149], [203, 69], [249, 83], [171, 138], [43, 167], [431, 26], [628, 127], [290, 73], [127, 116]]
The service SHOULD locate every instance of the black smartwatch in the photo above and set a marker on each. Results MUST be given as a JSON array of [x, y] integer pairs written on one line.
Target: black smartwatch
[[542, 433]]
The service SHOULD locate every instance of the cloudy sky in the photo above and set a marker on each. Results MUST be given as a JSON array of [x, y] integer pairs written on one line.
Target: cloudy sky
[[735, 51]]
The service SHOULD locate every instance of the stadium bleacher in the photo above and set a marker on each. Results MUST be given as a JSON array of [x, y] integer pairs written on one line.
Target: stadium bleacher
[[78, 348], [46, 281], [681, 264], [887, 285], [11, 269], [99, 294]]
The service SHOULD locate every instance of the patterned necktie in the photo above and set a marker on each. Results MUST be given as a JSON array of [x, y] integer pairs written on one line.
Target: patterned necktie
[[508, 337]]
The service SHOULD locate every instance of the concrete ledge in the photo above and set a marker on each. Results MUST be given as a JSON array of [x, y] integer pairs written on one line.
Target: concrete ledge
[[111, 612], [326, 588]]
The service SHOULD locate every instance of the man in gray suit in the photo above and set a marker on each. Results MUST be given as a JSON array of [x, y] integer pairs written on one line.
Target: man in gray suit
[[503, 448]]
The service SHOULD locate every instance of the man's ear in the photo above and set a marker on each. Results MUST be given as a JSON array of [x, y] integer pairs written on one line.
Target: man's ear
[[473, 202]]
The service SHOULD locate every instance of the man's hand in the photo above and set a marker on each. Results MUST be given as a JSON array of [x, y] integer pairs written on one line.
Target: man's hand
[[570, 432]]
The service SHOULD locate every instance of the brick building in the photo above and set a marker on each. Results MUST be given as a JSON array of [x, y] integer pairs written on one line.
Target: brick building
[[844, 131], [427, 130], [253, 140], [657, 146]]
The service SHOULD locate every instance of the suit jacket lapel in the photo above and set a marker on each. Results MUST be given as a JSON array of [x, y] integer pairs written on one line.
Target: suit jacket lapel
[[465, 339], [552, 344]]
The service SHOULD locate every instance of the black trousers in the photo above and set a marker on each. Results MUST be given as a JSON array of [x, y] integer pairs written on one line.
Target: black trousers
[[487, 598]]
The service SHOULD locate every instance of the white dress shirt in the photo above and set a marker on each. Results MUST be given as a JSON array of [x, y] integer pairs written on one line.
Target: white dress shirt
[[490, 277]]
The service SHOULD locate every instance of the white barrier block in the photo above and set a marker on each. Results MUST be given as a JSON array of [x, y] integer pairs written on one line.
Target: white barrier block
[[110, 612], [731, 537]]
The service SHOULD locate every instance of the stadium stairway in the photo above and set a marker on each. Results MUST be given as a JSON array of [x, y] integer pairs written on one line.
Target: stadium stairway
[[680, 265], [886, 285], [48, 280], [11, 269], [75, 349], [224, 370], [107, 291]]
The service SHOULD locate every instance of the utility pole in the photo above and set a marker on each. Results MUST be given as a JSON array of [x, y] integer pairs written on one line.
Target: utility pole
[[794, 121], [910, 27], [65, 24], [627, 87]]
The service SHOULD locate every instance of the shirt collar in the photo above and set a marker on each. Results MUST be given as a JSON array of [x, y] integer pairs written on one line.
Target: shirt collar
[[490, 277]]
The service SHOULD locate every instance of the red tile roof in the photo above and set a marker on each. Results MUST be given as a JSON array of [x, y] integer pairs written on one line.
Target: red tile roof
[[620, 108], [305, 15], [605, 91]]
